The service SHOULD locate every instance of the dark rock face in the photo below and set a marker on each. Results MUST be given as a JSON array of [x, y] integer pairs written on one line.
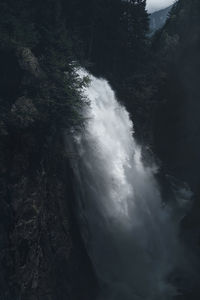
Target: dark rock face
[[177, 138], [41, 251], [177, 123], [11, 75]]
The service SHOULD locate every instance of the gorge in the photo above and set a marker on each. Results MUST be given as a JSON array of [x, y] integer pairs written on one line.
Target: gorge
[[99, 169]]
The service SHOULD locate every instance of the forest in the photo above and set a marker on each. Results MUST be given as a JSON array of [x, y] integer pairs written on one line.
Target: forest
[[155, 77]]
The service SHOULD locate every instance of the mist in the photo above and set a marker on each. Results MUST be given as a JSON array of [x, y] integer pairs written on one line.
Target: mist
[[154, 5]]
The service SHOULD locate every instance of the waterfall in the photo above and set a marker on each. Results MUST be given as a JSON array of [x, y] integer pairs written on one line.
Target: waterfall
[[128, 231]]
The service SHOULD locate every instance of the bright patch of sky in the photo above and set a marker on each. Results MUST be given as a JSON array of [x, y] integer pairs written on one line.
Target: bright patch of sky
[[153, 5]]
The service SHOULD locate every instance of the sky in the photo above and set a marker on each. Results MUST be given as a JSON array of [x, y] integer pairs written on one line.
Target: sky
[[153, 5]]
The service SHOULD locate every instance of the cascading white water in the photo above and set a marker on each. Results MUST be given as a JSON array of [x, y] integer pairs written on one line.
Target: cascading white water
[[129, 234]]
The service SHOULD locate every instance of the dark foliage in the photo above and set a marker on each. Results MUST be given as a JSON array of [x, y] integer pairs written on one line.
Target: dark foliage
[[36, 56], [40, 94], [41, 252], [176, 122], [113, 34]]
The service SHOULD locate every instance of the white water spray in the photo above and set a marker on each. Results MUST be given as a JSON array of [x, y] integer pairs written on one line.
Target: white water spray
[[127, 230]]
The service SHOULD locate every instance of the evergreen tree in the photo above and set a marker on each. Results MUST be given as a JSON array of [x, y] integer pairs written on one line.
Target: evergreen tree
[[113, 34]]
